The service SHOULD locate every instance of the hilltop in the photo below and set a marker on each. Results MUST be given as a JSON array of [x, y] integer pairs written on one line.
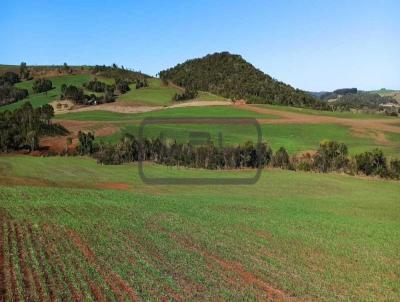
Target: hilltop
[[233, 77]]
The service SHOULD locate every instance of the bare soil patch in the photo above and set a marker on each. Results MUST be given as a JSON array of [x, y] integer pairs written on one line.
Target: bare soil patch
[[125, 107], [58, 144], [114, 186]]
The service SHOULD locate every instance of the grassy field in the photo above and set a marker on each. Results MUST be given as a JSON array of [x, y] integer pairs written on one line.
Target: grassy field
[[155, 94], [345, 114], [181, 112], [281, 238], [40, 99], [208, 96]]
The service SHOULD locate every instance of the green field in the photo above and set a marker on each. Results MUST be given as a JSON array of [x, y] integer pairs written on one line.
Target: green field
[[155, 95], [344, 114], [179, 112], [40, 99], [208, 96], [293, 234]]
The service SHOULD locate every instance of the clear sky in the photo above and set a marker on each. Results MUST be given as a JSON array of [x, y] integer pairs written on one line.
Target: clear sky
[[312, 45]]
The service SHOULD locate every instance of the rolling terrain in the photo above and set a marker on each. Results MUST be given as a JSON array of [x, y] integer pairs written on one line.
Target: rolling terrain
[[73, 229], [102, 234]]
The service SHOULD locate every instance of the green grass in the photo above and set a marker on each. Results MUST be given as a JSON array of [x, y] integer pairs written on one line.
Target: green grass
[[345, 114], [314, 236], [154, 95], [208, 96], [187, 112], [54, 94]]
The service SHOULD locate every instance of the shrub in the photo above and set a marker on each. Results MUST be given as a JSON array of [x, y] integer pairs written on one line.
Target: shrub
[[86, 143], [395, 168], [96, 86], [71, 92], [188, 94], [331, 156], [372, 163], [281, 159], [42, 85], [122, 86]]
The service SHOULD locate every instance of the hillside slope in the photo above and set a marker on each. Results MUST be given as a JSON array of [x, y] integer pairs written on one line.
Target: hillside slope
[[232, 77]]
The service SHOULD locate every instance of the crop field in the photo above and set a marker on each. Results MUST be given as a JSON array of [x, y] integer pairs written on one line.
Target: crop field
[[73, 229]]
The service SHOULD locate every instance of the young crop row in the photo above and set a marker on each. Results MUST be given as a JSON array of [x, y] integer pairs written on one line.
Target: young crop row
[[47, 264]]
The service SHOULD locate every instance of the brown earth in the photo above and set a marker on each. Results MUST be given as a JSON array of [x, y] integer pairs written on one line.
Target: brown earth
[[114, 186], [58, 144]]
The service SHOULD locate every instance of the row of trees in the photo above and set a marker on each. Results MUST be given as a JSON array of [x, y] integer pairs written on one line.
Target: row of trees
[[116, 72], [121, 85], [330, 156], [22, 128]]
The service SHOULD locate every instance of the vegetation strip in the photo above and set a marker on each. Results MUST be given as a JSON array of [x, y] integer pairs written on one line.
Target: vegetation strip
[[114, 280]]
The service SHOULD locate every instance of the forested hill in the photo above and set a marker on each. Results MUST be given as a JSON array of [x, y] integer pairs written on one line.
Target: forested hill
[[232, 77]]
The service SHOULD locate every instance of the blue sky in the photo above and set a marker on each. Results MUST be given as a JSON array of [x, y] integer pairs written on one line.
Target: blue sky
[[312, 45]]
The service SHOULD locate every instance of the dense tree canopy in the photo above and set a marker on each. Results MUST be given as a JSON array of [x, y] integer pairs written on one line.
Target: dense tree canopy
[[9, 93], [232, 77], [96, 86], [42, 85], [9, 78], [22, 128]]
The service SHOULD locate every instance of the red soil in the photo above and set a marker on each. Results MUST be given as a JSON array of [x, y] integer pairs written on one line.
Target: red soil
[[14, 289], [49, 282], [113, 186], [249, 278], [27, 274], [58, 145], [115, 282]]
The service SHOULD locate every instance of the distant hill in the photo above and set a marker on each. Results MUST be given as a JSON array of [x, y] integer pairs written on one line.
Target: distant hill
[[232, 77], [352, 98]]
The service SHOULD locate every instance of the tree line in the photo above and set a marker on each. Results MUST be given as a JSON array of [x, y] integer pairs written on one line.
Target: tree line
[[22, 127], [330, 156]]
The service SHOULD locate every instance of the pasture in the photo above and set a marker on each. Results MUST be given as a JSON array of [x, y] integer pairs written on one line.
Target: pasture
[[67, 232], [40, 99], [155, 94]]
